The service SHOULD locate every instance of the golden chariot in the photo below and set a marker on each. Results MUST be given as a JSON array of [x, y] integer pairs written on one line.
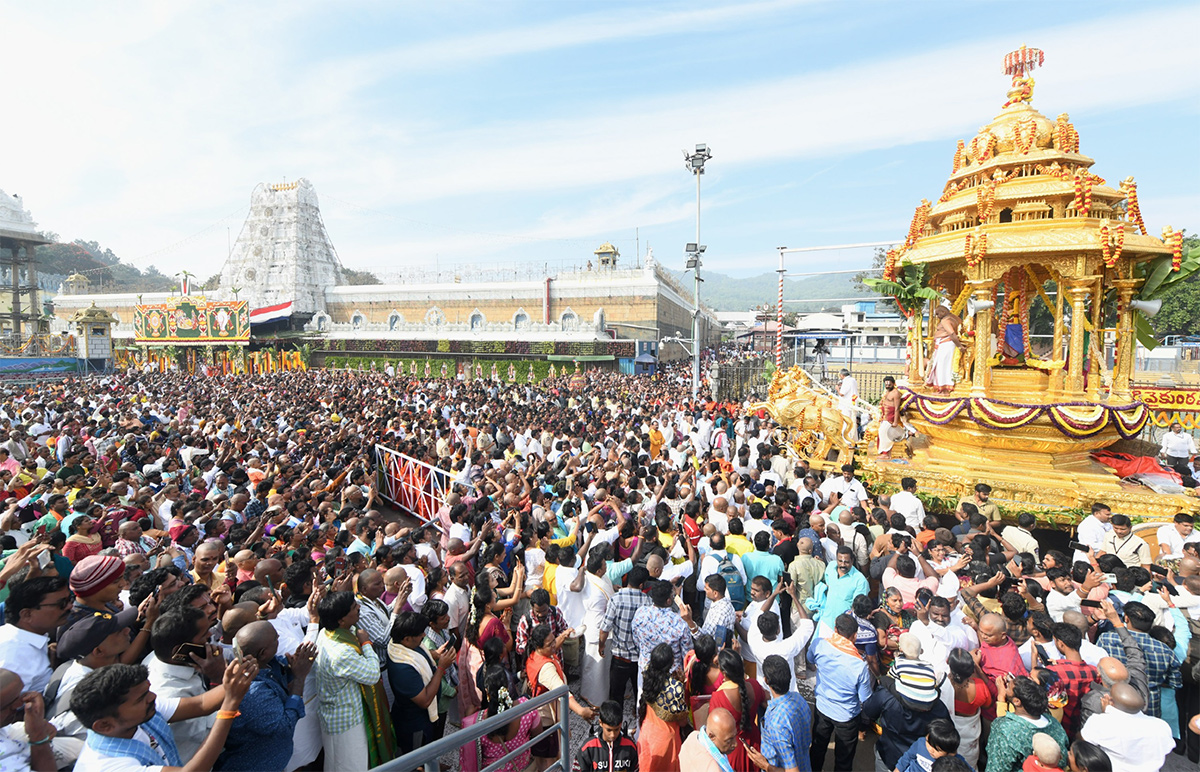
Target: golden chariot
[[1022, 218]]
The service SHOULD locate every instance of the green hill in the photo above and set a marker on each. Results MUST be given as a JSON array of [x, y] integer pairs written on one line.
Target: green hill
[[725, 293]]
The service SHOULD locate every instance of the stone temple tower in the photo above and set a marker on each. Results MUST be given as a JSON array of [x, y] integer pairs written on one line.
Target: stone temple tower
[[283, 252]]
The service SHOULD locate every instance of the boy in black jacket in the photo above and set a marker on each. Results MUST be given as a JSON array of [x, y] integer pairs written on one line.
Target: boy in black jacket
[[612, 750]]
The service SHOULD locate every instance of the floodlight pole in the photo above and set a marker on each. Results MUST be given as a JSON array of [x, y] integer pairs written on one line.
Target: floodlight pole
[[695, 164]]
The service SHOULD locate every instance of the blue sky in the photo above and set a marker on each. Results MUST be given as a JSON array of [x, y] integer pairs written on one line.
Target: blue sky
[[509, 132]]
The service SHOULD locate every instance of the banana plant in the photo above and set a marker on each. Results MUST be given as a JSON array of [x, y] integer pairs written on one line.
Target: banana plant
[[1159, 278], [910, 290]]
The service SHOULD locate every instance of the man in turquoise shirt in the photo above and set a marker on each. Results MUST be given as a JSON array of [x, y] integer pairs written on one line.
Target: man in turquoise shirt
[[843, 583], [762, 562]]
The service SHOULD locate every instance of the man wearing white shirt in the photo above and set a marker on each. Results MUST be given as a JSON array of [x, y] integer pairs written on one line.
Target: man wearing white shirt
[[1133, 741], [907, 504], [717, 515], [597, 591], [852, 491], [568, 585], [710, 562], [848, 391], [34, 609], [1173, 536], [1092, 530], [1178, 448], [938, 633]]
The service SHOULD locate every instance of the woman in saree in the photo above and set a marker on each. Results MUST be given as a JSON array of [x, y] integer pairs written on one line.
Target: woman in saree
[[701, 677], [746, 700], [544, 671], [662, 710]]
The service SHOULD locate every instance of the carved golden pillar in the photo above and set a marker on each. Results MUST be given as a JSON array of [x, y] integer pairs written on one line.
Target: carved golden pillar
[[981, 292], [1056, 349], [1126, 339], [1079, 291]]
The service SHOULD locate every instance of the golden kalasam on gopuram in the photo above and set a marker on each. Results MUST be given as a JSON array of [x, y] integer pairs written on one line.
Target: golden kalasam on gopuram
[[1022, 220]]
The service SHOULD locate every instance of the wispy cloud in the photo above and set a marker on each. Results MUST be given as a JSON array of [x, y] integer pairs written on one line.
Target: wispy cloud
[[146, 124]]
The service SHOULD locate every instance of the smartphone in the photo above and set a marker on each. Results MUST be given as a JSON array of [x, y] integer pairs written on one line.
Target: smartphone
[[44, 559], [1088, 603], [184, 649], [1158, 570], [1170, 587], [1078, 545], [454, 641]]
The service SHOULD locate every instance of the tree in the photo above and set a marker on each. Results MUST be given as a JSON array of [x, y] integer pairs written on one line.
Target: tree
[[211, 282], [862, 280], [359, 278]]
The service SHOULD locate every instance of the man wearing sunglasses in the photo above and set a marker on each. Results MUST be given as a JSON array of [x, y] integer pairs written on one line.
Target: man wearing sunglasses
[[35, 608]]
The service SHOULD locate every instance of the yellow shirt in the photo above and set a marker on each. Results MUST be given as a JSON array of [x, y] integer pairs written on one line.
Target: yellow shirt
[[216, 579], [548, 581], [738, 545]]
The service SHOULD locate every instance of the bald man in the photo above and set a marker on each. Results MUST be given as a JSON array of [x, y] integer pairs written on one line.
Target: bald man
[[276, 696], [998, 654], [806, 571], [708, 749], [1133, 741], [1133, 672], [234, 620], [269, 573]]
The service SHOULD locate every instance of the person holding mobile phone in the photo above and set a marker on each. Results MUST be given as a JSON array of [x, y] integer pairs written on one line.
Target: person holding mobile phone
[[183, 665], [416, 677]]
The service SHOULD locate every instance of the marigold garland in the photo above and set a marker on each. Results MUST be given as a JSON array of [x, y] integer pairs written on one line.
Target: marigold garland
[[1025, 135], [917, 227], [1174, 240], [1112, 242], [958, 156], [975, 248], [889, 264], [1066, 138], [1082, 203], [1133, 210], [982, 151]]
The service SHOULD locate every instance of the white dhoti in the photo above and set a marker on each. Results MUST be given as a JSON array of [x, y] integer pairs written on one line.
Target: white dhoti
[[346, 750], [846, 404], [941, 367], [594, 681], [306, 737], [885, 441]]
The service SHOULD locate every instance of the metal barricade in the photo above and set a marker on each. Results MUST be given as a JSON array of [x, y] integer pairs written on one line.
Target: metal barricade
[[461, 737], [418, 488]]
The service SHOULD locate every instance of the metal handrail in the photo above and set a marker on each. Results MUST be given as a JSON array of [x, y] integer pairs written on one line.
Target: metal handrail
[[416, 759]]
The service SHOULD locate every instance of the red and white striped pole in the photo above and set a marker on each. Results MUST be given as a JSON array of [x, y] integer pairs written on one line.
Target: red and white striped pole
[[779, 318]]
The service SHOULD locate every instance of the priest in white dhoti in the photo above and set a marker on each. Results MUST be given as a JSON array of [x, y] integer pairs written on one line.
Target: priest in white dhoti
[[945, 340]]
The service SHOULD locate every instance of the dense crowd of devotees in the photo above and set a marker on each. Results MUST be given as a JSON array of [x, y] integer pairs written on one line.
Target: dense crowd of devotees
[[198, 574]]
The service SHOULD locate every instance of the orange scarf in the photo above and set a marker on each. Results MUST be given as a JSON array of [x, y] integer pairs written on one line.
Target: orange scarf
[[844, 645]]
